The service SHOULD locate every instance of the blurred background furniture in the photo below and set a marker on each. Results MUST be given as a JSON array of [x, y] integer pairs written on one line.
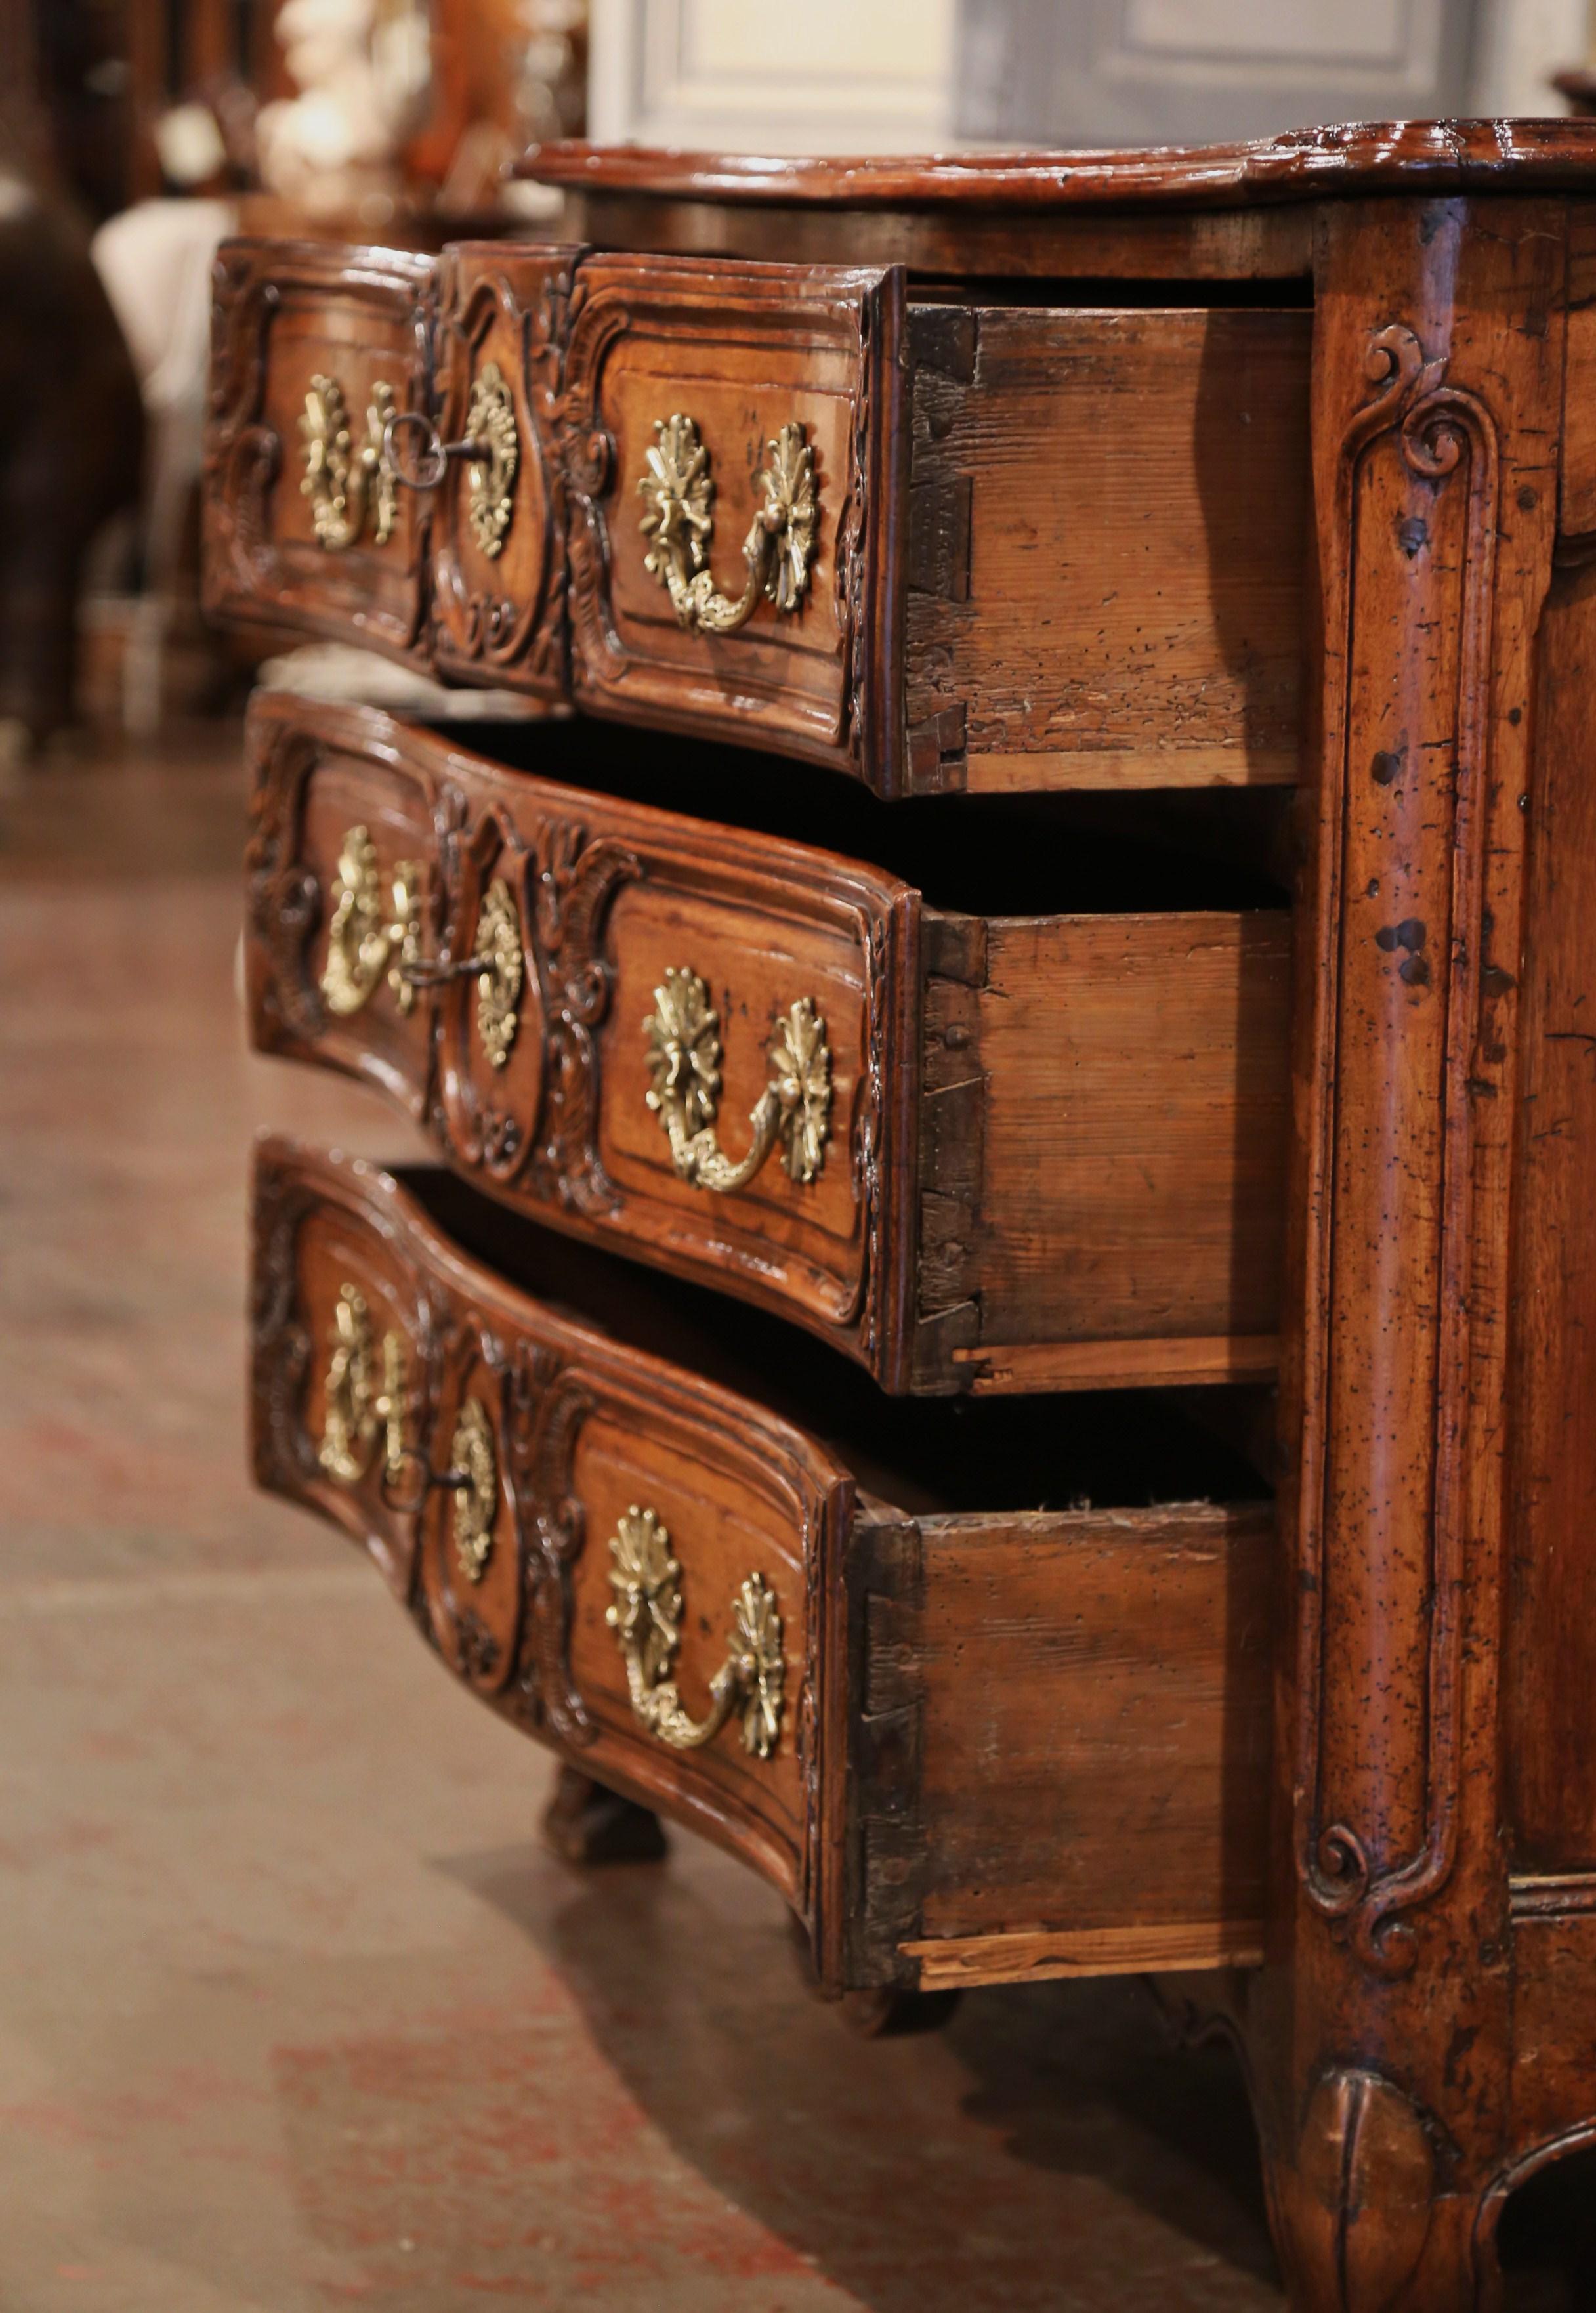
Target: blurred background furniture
[[394, 121]]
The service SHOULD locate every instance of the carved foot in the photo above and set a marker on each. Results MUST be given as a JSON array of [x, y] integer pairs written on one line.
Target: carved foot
[[586, 1823], [890, 2013], [1362, 2225]]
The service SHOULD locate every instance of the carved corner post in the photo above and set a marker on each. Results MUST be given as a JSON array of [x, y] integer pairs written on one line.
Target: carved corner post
[[1380, 2030]]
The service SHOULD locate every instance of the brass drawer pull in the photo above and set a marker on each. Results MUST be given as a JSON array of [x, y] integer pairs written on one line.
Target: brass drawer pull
[[684, 1060], [646, 1616], [680, 524], [348, 487], [491, 445], [364, 938], [355, 1411]]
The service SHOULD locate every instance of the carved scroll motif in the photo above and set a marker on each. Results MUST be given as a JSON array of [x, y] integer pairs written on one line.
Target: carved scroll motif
[[1415, 983], [587, 465], [479, 624], [544, 1407]]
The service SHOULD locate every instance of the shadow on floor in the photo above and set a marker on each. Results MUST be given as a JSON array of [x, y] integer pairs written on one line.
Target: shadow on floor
[[1032, 2140], [973, 2167]]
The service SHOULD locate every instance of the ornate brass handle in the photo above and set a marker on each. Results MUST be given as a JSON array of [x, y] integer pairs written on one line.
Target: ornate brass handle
[[646, 1616], [348, 487], [364, 938], [680, 524], [367, 937], [684, 1060], [491, 445], [355, 1411]]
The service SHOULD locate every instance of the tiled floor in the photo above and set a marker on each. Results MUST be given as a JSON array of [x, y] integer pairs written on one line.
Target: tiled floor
[[294, 2012]]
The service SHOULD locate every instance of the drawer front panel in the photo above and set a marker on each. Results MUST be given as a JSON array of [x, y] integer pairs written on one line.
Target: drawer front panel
[[666, 1000], [729, 443], [313, 350], [966, 1748], [588, 1538], [499, 551]]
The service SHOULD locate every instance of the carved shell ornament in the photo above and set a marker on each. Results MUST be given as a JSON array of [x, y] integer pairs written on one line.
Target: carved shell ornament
[[646, 1616], [678, 522], [684, 1066]]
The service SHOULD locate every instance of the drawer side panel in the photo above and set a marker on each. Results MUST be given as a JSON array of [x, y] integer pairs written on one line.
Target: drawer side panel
[[1062, 1742], [1109, 512]]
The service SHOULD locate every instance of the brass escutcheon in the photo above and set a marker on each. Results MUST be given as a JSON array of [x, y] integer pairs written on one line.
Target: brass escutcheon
[[500, 965], [355, 1411], [490, 447], [684, 1061], [474, 1476], [348, 487], [646, 1616], [680, 525]]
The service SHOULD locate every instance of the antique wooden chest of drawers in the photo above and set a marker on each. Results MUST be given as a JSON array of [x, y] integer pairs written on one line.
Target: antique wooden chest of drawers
[[1041, 885]]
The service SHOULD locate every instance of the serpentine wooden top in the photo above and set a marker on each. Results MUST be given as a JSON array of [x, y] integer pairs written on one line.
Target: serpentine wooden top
[[1406, 156]]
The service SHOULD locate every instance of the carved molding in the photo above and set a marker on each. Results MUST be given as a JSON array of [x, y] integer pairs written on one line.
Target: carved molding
[[1447, 438], [546, 1404], [285, 1457], [563, 885], [283, 899], [1580, 2138], [587, 467], [576, 881]]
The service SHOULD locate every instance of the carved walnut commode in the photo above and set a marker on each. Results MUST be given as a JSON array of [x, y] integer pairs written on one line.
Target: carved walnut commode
[[1046, 882]]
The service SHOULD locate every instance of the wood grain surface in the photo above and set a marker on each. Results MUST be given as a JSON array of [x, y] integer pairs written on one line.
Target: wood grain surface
[[1108, 517]]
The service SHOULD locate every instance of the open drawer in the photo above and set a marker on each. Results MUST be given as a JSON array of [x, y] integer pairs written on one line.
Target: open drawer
[[967, 1744], [797, 507], [975, 1152]]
